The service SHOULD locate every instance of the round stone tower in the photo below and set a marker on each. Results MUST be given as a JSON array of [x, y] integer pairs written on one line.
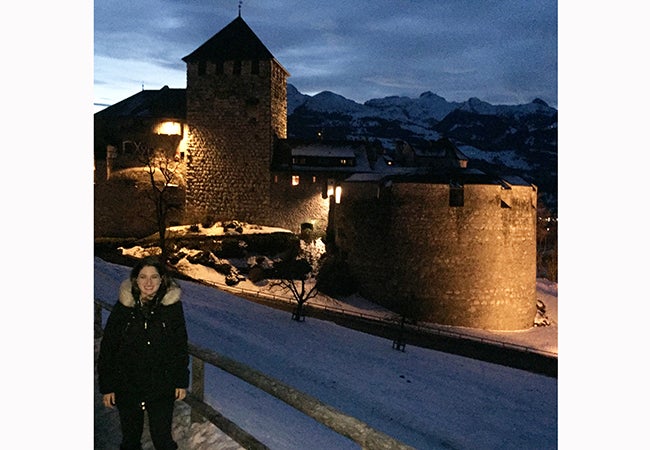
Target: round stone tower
[[459, 253]]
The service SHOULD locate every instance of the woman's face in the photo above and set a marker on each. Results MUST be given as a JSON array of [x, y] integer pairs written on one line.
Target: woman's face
[[148, 282]]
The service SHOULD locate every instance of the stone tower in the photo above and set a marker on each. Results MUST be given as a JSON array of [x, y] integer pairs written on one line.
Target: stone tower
[[460, 253], [236, 109]]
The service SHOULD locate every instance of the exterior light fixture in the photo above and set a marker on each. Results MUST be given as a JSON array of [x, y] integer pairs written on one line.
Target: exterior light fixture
[[169, 128], [337, 194], [330, 187]]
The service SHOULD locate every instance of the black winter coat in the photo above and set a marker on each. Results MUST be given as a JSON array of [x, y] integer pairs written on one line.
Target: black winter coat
[[143, 352]]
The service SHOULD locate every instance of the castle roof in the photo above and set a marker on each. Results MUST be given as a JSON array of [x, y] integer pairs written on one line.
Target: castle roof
[[163, 103], [445, 175], [429, 175], [321, 150], [321, 155], [236, 41]]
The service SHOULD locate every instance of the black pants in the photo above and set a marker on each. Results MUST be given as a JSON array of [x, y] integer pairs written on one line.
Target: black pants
[[159, 412]]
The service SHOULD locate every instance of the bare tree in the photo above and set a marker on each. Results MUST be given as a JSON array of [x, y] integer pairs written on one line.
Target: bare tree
[[164, 175], [299, 277]]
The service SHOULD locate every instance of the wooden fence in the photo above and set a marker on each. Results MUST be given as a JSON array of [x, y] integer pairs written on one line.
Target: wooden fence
[[392, 320], [348, 426]]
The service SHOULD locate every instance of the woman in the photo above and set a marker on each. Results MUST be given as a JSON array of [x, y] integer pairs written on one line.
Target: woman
[[143, 359]]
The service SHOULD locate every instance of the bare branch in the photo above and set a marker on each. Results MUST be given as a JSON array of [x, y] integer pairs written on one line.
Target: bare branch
[[157, 161]]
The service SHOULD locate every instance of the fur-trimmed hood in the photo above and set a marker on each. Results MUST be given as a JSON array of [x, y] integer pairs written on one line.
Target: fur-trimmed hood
[[172, 296]]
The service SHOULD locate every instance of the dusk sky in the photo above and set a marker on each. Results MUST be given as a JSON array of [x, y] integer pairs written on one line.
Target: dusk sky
[[503, 52]]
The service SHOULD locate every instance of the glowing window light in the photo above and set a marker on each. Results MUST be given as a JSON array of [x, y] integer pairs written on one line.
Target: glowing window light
[[169, 128], [337, 194], [295, 180]]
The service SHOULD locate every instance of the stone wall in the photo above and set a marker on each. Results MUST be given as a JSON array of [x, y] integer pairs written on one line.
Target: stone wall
[[124, 208], [472, 265], [233, 120], [292, 206], [123, 196]]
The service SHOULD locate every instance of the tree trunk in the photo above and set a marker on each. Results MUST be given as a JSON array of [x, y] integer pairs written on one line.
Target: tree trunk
[[297, 313]]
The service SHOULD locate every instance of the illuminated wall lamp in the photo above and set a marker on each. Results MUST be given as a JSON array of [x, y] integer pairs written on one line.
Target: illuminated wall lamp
[[330, 187], [169, 128], [337, 194]]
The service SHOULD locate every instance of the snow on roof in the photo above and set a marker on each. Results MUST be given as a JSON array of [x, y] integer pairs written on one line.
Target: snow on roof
[[366, 177], [324, 151], [515, 180], [382, 173]]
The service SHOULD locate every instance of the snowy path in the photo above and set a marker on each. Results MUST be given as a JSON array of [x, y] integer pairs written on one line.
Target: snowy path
[[424, 398]]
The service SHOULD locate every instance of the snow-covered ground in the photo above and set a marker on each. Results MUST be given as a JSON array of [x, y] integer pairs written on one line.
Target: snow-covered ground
[[543, 339], [424, 398]]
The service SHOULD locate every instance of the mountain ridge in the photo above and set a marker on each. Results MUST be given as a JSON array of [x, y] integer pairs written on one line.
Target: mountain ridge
[[438, 106]]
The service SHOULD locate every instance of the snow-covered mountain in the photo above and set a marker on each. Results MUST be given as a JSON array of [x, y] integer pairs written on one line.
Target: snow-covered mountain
[[508, 139]]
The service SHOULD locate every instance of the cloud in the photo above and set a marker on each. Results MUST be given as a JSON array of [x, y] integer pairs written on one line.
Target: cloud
[[360, 49]]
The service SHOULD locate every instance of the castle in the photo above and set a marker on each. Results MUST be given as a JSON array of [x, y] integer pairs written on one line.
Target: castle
[[419, 229]]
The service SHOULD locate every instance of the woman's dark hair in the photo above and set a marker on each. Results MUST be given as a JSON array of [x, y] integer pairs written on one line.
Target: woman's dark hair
[[166, 280]]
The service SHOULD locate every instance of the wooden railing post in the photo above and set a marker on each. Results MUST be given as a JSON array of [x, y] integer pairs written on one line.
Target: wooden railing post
[[197, 387]]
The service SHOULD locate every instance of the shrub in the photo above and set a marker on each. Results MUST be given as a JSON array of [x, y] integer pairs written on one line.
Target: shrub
[[176, 257], [230, 248], [223, 268], [201, 257], [256, 274], [208, 222], [334, 277], [270, 244]]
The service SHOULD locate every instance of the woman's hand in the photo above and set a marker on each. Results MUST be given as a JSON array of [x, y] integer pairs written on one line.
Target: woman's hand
[[180, 393], [109, 400]]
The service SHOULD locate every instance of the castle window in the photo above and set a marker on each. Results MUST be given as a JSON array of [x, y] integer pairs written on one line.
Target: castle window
[[236, 68], [255, 66], [295, 180], [218, 67], [456, 194], [313, 179], [275, 178], [202, 67]]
